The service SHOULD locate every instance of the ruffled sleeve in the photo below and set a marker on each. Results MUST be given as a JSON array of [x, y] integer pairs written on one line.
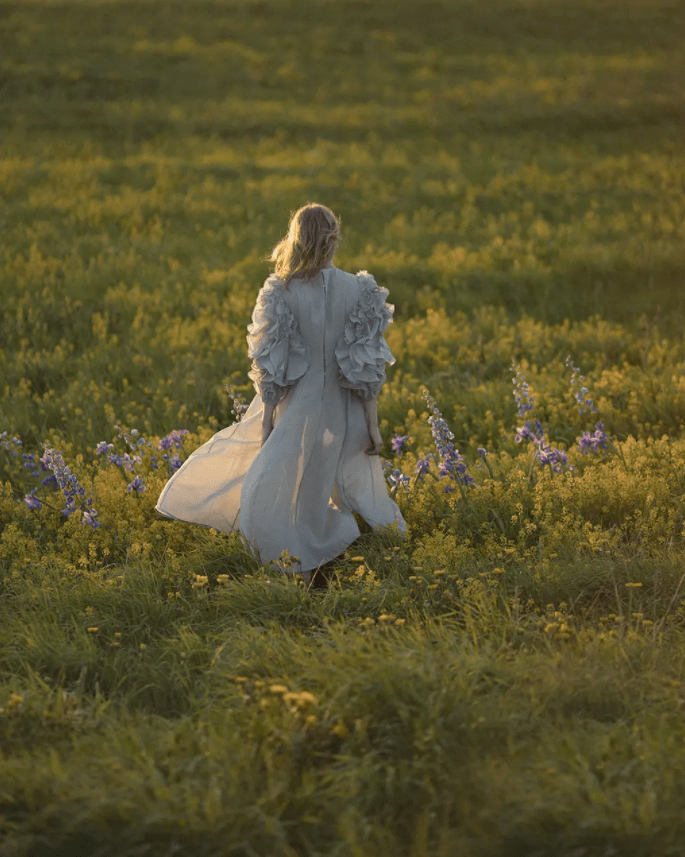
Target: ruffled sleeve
[[362, 351], [279, 354]]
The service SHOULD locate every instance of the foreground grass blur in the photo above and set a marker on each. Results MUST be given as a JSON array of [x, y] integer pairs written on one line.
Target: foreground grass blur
[[508, 679]]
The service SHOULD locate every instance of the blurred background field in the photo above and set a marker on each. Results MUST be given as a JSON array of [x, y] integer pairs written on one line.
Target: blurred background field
[[509, 679]]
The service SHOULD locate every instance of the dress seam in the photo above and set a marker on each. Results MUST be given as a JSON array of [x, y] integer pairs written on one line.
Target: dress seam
[[325, 311]]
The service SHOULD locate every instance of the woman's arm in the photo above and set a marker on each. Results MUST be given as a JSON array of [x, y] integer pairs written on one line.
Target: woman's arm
[[267, 421], [371, 409]]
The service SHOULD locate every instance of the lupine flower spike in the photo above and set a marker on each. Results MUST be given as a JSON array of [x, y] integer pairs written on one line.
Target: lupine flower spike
[[524, 401], [74, 493], [173, 440], [9, 443], [136, 485], [239, 405], [579, 389], [398, 443], [452, 465], [423, 466], [397, 479], [32, 501], [545, 454], [593, 441]]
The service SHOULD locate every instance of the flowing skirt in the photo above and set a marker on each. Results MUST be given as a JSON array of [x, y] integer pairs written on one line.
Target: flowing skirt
[[299, 490]]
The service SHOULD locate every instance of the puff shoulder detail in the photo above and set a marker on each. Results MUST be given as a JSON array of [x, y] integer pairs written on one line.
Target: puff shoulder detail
[[278, 352], [362, 352]]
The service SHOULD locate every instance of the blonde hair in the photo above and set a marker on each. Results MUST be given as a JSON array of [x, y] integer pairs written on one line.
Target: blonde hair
[[311, 242]]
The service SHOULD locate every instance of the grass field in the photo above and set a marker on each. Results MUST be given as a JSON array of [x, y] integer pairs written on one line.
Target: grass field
[[509, 679]]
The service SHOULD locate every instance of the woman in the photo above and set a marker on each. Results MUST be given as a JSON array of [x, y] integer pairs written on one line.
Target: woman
[[304, 457]]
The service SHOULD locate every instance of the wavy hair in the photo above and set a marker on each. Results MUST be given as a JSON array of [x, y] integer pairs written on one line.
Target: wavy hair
[[311, 242]]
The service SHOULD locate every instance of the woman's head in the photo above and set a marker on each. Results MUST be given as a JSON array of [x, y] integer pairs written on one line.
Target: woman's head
[[311, 242]]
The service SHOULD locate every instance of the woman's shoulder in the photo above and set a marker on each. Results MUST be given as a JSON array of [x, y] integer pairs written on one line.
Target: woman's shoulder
[[360, 282], [271, 301], [273, 284], [341, 274]]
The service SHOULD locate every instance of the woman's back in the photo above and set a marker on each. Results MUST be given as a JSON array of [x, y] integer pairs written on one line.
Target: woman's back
[[321, 307]]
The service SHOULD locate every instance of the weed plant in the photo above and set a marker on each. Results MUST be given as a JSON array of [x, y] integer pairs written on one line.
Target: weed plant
[[506, 680]]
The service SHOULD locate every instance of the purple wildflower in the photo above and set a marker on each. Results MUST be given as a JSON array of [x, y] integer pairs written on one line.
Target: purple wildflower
[[451, 462], [174, 439], [124, 460], [29, 463], [396, 479], [527, 431], [103, 447], [593, 441], [89, 518], [133, 440], [524, 401], [581, 392], [136, 484], [8, 442], [524, 433], [73, 492], [32, 501], [398, 443], [544, 453], [482, 452], [423, 466]]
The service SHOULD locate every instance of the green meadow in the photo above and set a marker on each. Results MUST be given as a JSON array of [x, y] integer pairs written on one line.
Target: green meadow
[[509, 679]]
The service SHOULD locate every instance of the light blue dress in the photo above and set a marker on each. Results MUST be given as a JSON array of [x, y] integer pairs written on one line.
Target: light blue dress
[[318, 351]]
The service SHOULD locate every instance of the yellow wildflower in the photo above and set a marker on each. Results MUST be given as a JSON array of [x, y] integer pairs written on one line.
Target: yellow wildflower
[[15, 700], [307, 697]]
